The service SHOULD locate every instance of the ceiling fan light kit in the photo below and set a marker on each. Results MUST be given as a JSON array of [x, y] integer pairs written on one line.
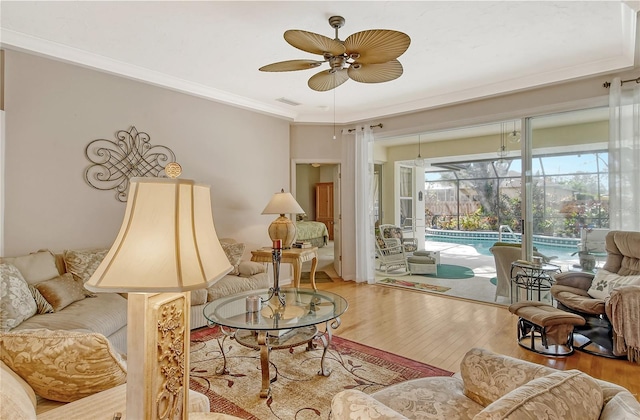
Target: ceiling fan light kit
[[367, 57]]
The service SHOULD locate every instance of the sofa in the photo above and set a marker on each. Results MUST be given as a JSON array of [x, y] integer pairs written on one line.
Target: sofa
[[608, 300], [492, 386], [44, 304], [58, 278]]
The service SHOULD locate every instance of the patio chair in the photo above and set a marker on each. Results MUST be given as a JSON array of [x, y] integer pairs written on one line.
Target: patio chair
[[391, 255], [393, 232]]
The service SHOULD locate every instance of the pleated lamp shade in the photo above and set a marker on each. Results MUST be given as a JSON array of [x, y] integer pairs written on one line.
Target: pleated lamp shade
[[167, 241]]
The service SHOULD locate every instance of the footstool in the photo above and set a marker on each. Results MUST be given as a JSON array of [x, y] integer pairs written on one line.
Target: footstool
[[545, 329], [424, 253], [422, 265]]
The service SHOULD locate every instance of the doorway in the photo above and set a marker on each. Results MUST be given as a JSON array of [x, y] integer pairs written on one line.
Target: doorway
[[316, 186]]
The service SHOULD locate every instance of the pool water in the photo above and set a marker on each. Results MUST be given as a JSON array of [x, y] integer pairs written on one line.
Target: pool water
[[483, 245]]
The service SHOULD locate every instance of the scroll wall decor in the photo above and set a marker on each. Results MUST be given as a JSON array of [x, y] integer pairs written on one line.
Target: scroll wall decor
[[130, 155]]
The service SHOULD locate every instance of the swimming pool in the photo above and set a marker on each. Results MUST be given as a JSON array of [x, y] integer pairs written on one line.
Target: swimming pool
[[482, 241]]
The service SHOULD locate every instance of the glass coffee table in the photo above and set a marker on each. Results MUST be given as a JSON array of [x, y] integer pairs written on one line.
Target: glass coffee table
[[275, 326]]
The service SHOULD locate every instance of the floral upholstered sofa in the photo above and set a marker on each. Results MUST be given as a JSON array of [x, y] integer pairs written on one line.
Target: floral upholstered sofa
[[493, 386]]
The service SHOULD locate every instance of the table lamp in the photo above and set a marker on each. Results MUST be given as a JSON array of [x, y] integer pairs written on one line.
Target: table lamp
[[283, 228], [167, 246]]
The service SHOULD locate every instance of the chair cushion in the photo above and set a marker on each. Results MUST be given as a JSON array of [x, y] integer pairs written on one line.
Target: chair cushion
[[561, 395], [104, 314], [577, 300], [433, 397], [63, 365], [355, 404]]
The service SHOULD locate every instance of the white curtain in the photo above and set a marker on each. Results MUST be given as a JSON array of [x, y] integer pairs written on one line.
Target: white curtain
[[624, 156], [365, 257]]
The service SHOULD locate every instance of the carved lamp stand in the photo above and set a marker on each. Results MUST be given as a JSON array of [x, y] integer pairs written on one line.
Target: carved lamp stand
[[167, 246]]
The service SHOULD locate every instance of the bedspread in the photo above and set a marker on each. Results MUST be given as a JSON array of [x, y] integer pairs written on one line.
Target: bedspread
[[309, 230]]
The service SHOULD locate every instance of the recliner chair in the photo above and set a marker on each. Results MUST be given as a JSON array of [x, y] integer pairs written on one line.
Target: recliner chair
[[570, 291]]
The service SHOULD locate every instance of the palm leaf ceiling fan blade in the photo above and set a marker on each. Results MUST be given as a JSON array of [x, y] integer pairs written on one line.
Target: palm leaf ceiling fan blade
[[326, 80], [376, 46], [291, 65], [313, 43], [375, 73], [367, 56]]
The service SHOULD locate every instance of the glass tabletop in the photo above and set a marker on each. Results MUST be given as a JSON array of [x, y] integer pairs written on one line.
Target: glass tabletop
[[304, 307]]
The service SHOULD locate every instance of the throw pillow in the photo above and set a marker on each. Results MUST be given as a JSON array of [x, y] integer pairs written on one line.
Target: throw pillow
[[560, 395], [82, 263], [43, 307], [605, 281], [61, 291], [35, 267], [234, 253], [16, 301], [63, 365]]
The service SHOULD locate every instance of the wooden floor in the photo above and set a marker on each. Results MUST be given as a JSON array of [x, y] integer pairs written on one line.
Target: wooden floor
[[440, 330]]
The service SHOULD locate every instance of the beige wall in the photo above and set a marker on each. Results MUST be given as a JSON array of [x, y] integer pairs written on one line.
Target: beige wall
[[306, 178], [53, 110]]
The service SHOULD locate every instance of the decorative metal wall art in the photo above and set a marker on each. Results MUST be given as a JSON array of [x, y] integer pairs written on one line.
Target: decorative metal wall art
[[131, 155]]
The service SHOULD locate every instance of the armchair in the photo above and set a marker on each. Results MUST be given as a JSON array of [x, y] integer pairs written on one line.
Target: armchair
[[608, 300], [391, 255], [393, 232]]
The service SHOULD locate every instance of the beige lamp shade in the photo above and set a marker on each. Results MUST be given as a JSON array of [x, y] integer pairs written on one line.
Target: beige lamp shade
[[283, 228], [167, 242]]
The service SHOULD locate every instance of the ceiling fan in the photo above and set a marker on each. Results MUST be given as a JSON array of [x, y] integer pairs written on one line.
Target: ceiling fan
[[367, 57]]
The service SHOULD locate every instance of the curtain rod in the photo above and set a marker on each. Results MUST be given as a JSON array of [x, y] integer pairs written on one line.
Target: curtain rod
[[351, 130], [606, 85]]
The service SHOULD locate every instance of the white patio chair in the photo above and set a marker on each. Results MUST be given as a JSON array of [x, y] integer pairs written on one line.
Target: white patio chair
[[391, 254]]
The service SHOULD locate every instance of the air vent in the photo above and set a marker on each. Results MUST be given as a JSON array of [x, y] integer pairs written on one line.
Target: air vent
[[288, 101]]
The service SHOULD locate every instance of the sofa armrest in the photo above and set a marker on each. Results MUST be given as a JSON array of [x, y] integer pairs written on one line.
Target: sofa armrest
[[578, 279], [250, 268], [354, 404]]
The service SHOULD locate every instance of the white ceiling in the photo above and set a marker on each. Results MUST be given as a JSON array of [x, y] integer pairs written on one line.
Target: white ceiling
[[459, 50]]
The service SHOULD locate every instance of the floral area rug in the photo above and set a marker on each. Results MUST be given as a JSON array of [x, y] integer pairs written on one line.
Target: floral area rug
[[297, 391], [412, 285]]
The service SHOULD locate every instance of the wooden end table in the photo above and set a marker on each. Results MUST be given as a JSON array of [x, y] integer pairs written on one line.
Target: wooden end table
[[293, 256]]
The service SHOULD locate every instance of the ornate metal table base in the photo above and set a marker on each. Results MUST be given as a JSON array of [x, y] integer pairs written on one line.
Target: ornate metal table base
[[262, 341]]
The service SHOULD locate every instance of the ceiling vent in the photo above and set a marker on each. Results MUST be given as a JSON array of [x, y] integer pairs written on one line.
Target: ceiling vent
[[288, 101]]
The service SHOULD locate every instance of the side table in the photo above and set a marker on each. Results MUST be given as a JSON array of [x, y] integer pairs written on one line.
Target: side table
[[531, 277], [293, 256]]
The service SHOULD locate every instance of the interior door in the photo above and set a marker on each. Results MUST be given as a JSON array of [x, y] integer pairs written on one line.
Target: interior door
[[324, 205], [337, 218]]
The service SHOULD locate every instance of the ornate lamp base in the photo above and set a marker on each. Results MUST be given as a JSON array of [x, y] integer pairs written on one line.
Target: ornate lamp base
[[284, 229]]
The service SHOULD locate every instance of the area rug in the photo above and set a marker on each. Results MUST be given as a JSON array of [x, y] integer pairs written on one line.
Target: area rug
[[413, 285], [450, 271], [297, 391], [321, 277]]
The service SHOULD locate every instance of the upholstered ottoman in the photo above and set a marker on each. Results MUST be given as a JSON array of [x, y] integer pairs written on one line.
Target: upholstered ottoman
[[545, 329], [431, 254], [422, 265]]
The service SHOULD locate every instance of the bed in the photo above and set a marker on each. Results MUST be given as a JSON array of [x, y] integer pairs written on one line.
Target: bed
[[314, 232]]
